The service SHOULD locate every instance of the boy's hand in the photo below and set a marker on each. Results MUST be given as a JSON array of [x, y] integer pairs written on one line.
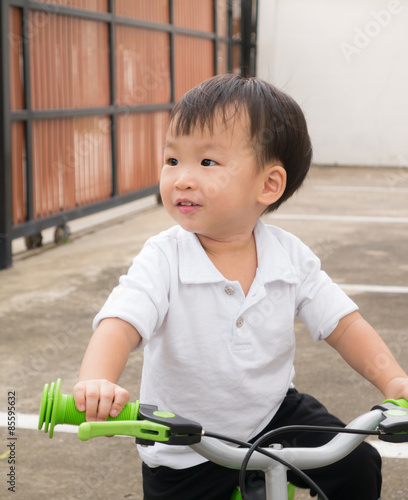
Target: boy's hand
[[99, 398], [397, 388]]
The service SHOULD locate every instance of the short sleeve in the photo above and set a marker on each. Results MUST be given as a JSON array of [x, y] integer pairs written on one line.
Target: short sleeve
[[320, 303], [142, 296]]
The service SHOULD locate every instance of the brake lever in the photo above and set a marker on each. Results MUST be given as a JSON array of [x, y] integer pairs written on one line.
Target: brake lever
[[142, 429], [157, 426]]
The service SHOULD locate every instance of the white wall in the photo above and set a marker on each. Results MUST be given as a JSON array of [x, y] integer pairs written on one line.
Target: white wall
[[346, 63]]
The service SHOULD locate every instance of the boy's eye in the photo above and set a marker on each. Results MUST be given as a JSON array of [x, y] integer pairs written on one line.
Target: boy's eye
[[172, 162], [208, 163]]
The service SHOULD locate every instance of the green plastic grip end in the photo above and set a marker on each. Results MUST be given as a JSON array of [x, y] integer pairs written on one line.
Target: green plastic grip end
[[57, 408]]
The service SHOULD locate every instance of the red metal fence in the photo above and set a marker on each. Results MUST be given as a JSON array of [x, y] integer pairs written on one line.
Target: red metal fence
[[91, 83]]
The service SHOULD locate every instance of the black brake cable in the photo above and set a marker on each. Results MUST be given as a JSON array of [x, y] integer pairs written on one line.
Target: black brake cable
[[269, 454], [290, 428]]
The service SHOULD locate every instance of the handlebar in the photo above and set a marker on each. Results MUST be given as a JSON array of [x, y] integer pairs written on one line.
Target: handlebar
[[149, 425], [303, 458]]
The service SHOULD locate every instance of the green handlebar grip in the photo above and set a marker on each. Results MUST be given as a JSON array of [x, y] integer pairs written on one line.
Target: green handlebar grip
[[399, 402], [57, 408]]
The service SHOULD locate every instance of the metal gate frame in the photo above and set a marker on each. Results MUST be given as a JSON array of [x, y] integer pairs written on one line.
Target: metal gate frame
[[8, 231]]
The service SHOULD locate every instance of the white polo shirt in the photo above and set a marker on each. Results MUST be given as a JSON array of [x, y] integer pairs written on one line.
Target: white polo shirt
[[213, 354]]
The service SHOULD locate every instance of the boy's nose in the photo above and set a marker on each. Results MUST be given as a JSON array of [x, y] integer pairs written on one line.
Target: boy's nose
[[185, 180]]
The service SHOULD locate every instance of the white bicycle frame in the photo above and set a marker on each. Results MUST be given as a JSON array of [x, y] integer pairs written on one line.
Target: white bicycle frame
[[304, 458]]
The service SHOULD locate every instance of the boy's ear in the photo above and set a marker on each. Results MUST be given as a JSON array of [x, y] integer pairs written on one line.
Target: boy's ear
[[274, 185]]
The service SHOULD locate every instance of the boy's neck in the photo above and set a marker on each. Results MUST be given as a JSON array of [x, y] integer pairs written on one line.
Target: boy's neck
[[233, 245], [235, 258]]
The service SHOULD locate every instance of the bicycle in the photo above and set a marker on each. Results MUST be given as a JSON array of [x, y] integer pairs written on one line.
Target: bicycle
[[148, 424]]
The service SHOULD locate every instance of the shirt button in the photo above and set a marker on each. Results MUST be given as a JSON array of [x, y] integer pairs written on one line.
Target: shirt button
[[229, 290], [240, 322]]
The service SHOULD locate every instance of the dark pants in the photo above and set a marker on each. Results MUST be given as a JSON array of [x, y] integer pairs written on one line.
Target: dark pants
[[355, 477]]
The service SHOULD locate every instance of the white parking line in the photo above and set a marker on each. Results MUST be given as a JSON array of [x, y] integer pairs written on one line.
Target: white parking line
[[390, 450], [340, 218], [30, 422]]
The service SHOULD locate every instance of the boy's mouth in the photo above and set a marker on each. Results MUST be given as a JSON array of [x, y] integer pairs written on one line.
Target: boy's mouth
[[186, 207]]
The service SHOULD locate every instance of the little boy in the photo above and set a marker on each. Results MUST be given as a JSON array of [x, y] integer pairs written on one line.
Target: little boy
[[213, 299]]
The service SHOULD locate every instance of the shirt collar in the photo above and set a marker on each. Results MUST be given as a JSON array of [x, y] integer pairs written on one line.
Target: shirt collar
[[274, 263], [194, 265]]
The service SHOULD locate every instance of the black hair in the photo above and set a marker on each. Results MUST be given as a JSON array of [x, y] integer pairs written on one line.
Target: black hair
[[277, 126]]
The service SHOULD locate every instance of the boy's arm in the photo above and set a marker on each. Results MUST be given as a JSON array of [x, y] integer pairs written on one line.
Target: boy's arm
[[364, 350], [103, 363]]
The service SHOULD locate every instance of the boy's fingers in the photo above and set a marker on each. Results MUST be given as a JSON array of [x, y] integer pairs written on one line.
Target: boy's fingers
[[106, 399], [121, 398], [79, 397], [105, 403], [91, 401], [99, 399]]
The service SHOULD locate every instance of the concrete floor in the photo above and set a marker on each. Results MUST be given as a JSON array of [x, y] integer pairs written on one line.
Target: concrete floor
[[355, 219]]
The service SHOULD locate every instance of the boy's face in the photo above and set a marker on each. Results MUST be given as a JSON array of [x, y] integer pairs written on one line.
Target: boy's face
[[209, 182]]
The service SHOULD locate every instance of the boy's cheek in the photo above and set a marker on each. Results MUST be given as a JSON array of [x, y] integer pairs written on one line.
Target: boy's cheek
[[234, 168], [164, 190], [164, 179]]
